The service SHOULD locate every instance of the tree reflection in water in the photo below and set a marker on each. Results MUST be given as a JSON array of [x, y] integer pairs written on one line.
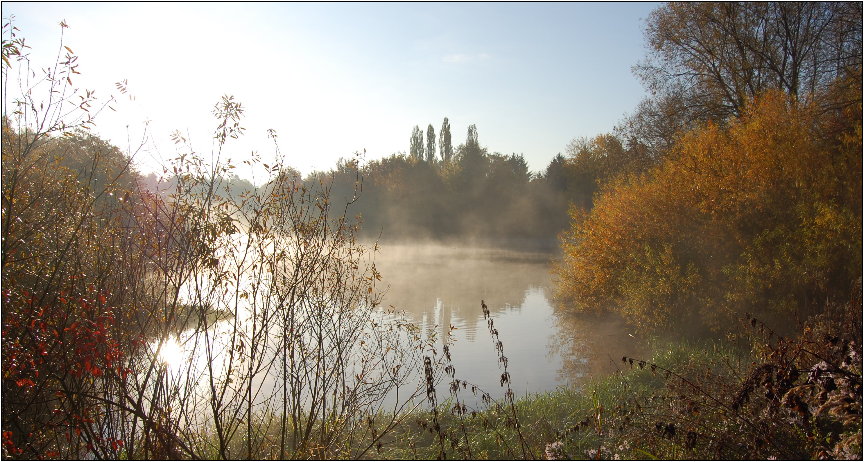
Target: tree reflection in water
[[440, 288]]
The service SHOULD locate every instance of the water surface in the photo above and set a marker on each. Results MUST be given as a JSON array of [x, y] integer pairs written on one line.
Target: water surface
[[441, 288]]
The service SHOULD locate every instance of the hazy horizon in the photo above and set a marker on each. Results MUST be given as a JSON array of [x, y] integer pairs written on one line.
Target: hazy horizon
[[335, 79]]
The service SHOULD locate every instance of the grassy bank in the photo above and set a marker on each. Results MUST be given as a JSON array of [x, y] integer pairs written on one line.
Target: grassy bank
[[761, 397], [569, 423], [784, 398]]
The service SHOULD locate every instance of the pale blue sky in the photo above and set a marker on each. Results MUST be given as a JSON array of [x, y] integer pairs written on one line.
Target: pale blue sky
[[333, 79]]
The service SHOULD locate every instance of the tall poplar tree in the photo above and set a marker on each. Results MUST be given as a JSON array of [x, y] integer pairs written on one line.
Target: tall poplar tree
[[473, 140], [430, 144], [444, 143], [417, 143]]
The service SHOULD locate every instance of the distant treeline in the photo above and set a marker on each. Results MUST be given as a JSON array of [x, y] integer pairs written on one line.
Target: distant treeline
[[466, 193], [471, 194]]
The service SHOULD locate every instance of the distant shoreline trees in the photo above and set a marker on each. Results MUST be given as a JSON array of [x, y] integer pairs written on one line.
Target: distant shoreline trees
[[430, 144], [417, 147], [445, 145]]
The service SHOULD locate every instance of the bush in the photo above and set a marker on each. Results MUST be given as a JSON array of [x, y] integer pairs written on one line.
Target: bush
[[759, 216]]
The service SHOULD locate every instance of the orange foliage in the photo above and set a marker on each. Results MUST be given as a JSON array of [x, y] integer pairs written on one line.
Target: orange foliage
[[762, 215]]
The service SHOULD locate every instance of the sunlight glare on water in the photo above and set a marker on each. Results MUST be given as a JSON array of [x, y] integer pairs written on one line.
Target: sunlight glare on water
[[171, 353]]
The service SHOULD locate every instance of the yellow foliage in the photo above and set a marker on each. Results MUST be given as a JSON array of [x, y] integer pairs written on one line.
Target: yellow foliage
[[754, 216]]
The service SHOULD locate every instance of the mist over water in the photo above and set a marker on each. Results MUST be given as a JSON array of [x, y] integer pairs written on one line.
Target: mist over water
[[440, 287]]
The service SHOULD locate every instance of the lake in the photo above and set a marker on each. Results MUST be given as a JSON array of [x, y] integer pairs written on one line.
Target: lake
[[441, 287]]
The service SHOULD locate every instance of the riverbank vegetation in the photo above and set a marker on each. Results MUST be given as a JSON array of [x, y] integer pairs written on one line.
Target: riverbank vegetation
[[750, 215], [764, 398], [146, 325], [722, 220]]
